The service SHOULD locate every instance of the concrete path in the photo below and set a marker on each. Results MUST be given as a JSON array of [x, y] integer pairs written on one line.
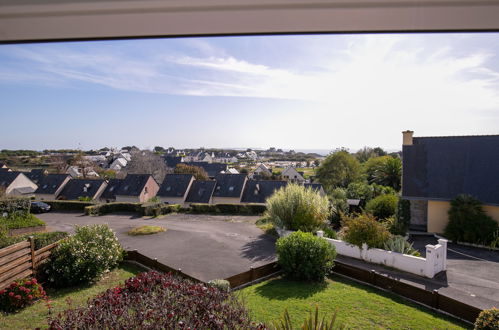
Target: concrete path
[[204, 246]]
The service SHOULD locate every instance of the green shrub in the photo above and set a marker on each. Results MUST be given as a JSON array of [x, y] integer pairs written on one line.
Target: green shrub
[[18, 220], [312, 322], [15, 205], [145, 230], [329, 232], [488, 320], [339, 206], [245, 209], [402, 218], [469, 223], [44, 239], [157, 209], [399, 244], [383, 206], [68, 205], [298, 208], [85, 199], [303, 256], [222, 285], [365, 229], [105, 208], [83, 257]]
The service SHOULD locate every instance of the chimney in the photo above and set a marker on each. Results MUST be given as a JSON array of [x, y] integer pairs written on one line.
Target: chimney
[[407, 138]]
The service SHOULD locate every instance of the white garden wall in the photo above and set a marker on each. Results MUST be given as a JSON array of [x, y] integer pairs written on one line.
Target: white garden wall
[[435, 261]]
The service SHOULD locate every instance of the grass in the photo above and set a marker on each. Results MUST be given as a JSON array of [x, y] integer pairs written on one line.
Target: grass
[[359, 306], [307, 171], [267, 227], [16, 221], [36, 315], [145, 230]]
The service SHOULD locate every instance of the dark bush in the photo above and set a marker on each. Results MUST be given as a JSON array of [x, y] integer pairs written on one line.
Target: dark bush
[[105, 208], [246, 209], [68, 205], [382, 207], [157, 209], [303, 256], [158, 301], [469, 223], [20, 294], [15, 205], [364, 228], [402, 218], [488, 320]]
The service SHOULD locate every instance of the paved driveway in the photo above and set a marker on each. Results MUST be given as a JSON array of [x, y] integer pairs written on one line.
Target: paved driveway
[[203, 246], [471, 272]]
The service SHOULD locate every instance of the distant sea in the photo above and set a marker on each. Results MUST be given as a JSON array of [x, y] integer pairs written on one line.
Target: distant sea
[[322, 152]]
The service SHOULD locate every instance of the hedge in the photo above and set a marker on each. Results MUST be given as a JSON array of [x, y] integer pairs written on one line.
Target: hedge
[[100, 209], [41, 239], [15, 205], [68, 205], [247, 209], [157, 209]]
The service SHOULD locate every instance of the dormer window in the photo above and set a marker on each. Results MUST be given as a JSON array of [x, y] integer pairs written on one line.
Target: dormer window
[[44, 186], [169, 188], [231, 188]]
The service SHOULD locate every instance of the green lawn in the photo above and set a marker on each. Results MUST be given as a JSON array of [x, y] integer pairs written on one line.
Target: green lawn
[[35, 316], [359, 306]]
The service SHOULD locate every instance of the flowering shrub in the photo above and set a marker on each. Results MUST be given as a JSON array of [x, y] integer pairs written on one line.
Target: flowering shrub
[[19, 294], [304, 256], [83, 257], [488, 320], [158, 301]]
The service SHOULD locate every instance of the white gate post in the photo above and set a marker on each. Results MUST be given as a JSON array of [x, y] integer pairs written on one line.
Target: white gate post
[[443, 242], [430, 261]]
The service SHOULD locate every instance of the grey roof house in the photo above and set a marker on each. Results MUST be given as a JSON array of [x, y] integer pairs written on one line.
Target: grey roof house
[[212, 169], [201, 191], [229, 188], [16, 183], [174, 188], [51, 185], [257, 191], [137, 188], [437, 169], [82, 188], [109, 194]]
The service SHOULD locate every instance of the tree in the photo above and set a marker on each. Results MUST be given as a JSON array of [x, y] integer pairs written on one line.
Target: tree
[[385, 170], [58, 164], [339, 169], [159, 149], [147, 162], [198, 172]]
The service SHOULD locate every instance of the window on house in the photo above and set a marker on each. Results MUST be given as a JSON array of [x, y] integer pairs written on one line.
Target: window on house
[[145, 190]]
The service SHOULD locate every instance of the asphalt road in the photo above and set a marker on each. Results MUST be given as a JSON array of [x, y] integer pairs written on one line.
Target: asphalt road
[[203, 246]]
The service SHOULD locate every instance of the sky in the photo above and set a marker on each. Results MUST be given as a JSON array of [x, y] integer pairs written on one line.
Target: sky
[[291, 92]]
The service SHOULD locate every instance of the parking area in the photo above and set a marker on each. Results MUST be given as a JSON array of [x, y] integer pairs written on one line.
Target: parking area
[[471, 272], [204, 246]]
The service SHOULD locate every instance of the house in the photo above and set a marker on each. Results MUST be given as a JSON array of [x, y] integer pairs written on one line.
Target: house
[[109, 194], [118, 164], [212, 169], [174, 188], [232, 171], [16, 183], [201, 192], [257, 191], [74, 171], [36, 175], [229, 188], [437, 169], [261, 171], [291, 174], [76, 189], [50, 186], [316, 187], [204, 157], [3, 165], [172, 161], [137, 188]]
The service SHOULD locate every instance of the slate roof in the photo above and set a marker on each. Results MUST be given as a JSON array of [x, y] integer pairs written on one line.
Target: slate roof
[[6, 178], [443, 167], [201, 191], [175, 185], [229, 185], [172, 161], [211, 168], [2, 164], [36, 175], [49, 183], [133, 184], [76, 188], [257, 191], [112, 186]]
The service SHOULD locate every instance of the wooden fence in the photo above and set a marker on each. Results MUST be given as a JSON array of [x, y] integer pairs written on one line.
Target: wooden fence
[[21, 260], [253, 274]]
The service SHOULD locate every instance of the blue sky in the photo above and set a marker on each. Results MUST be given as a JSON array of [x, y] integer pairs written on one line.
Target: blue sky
[[300, 92]]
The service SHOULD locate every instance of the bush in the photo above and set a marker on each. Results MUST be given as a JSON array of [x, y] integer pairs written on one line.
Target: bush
[[100, 209], [402, 218], [339, 206], [399, 244], [20, 294], [157, 209], [41, 239], [68, 205], [365, 229], [15, 205], [303, 256], [246, 209], [18, 220], [83, 257], [223, 285], [382, 207], [298, 208], [145, 230], [468, 222], [488, 320], [155, 300]]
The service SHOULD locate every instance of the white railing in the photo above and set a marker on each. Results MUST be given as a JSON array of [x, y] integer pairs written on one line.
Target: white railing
[[435, 261]]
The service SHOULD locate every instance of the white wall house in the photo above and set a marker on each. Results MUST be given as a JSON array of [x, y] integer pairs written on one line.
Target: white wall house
[[118, 164], [291, 174], [17, 184], [261, 169]]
